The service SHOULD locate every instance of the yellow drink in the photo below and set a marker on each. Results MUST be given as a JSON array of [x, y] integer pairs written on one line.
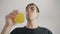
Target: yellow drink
[[20, 18]]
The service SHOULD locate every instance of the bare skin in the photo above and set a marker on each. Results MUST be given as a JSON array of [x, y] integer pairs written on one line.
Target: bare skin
[[9, 22], [31, 18], [31, 14]]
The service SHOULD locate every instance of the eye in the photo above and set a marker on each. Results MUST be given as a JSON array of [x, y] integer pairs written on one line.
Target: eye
[[32, 8]]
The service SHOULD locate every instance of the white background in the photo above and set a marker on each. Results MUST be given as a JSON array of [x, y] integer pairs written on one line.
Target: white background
[[49, 12]]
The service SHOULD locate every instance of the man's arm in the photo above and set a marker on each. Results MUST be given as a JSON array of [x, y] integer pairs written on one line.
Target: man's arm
[[6, 29], [10, 21]]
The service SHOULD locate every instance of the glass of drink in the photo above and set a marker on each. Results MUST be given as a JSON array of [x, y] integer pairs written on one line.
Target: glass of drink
[[19, 18]]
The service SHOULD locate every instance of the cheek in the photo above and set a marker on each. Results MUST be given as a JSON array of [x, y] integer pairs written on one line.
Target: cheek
[[34, 15]]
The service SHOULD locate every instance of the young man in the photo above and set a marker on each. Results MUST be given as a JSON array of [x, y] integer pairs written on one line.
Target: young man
[[32, 12]]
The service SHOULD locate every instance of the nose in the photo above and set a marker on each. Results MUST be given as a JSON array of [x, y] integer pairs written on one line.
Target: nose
[[29, 12]]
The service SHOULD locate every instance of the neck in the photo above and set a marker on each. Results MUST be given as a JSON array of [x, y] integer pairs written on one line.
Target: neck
[[31, 24]]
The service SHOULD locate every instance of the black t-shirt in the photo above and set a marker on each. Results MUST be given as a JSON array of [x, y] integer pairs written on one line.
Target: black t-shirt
[[24, 30]]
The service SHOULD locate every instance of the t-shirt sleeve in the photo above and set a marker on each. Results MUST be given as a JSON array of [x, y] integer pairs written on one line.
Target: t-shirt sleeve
[[17, 30], [49, 31], [13, 31], [46, 30]]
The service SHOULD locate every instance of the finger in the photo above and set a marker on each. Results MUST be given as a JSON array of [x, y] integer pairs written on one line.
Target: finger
[[14, 14], [15, 11]]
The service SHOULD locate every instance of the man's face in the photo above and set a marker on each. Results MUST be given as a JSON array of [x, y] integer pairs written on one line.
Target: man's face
[[31, 12]]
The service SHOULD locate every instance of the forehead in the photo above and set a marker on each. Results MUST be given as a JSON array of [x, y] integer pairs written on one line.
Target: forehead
[[32, 6]]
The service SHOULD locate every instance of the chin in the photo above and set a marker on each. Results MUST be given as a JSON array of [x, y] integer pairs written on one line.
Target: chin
[[31, 18]]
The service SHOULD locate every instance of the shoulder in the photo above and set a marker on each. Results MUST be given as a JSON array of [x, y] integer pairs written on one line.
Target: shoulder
[[46, 30], [18, 29]]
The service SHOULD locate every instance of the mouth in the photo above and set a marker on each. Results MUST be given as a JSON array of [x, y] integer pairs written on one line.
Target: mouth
[[29, 15]]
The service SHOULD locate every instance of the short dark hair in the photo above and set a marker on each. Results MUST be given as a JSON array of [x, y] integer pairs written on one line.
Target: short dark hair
[[34, 5]]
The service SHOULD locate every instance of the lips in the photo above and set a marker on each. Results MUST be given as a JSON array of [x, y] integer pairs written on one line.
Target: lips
[[29, 15]]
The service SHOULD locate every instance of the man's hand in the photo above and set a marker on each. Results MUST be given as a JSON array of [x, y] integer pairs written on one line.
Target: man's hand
[[10, 21], [10, 18]]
